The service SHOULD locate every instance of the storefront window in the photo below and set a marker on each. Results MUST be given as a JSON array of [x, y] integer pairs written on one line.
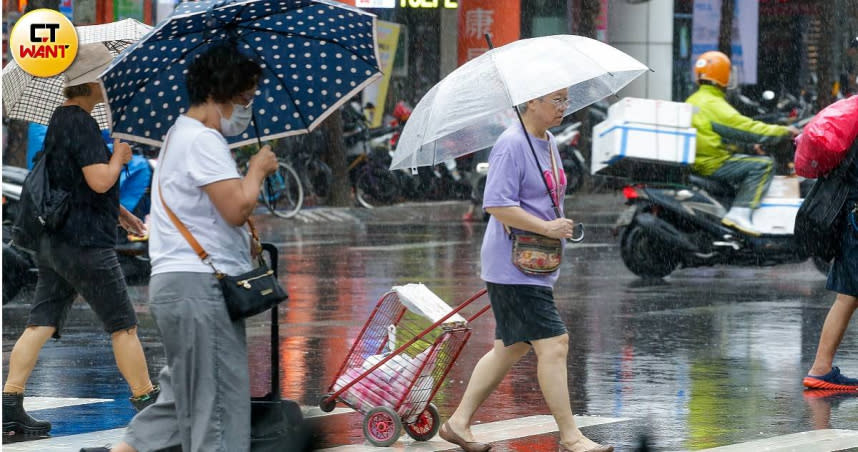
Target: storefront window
[[543, 18]]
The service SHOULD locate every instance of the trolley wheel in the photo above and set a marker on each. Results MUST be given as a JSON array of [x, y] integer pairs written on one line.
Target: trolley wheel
[[426, 426], [327, 403], [382, 426]]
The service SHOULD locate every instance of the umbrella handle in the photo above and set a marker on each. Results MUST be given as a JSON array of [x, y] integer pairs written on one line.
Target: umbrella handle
[[580, 227]]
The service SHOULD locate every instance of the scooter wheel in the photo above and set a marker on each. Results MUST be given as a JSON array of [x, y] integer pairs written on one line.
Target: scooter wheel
[[645, 255]]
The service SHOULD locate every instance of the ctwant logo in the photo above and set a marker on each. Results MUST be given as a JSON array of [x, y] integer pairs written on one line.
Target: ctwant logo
[[44, 42]]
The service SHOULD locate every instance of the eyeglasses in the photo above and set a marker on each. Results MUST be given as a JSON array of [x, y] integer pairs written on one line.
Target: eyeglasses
[[558, 103]]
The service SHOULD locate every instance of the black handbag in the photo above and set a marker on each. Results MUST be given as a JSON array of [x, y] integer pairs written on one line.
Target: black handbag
[[253, 292], [246, 294], [42, 208]]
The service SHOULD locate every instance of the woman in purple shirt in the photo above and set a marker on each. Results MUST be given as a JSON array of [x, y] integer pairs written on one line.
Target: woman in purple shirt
[[523, 305]]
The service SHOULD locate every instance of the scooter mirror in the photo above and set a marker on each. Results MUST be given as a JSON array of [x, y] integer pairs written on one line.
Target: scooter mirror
[[768, 95]]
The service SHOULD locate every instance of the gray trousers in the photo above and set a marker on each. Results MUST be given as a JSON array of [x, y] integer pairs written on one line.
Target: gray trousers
[[751, 173], [205, 387]]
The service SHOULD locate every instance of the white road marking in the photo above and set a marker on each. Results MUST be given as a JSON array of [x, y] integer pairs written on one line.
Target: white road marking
[[489, 432], [46, 403], [812, 441], [408, 246]]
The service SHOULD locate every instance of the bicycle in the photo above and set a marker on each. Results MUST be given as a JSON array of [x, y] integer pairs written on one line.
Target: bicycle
[[303, 152], [282, 192]]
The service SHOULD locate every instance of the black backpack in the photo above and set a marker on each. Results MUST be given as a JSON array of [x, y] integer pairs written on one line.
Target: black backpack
[[821, 218], [41, 208]]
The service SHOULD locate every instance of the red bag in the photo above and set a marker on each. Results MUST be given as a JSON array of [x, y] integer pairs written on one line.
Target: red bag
[[826, 139]]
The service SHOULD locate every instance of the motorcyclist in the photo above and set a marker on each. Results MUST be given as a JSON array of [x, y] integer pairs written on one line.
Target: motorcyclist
[[728, 143]]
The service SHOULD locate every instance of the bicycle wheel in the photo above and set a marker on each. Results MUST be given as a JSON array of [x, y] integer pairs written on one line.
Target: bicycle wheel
[[376, 186], [320, 179], [282, 192]]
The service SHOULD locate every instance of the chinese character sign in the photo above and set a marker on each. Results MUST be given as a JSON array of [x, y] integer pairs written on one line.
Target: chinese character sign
[[500, 19]]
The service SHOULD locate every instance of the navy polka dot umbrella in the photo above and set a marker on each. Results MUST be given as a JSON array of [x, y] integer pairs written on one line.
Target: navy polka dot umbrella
[[316, 54]]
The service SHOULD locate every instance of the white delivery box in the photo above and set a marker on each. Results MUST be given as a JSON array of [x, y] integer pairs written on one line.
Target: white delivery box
[[650, 111], [776, 216], [628, 149], [783, 187]]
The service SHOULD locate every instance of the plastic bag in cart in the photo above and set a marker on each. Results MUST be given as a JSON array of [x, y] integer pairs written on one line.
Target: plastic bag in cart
[[418, 299]]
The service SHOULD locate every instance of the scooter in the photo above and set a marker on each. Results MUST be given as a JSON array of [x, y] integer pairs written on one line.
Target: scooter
[[668, 225], [575, 166]]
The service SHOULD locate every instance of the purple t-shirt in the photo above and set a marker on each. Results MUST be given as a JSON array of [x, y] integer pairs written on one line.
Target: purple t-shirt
[[514, 180]]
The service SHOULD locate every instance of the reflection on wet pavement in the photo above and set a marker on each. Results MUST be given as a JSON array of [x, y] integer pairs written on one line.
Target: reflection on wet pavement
[[708, 357]]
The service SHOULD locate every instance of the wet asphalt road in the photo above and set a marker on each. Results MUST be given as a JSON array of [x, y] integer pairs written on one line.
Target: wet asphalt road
[[707, 357]]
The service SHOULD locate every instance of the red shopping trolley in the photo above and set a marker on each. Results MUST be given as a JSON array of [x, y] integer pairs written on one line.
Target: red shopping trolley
[[399, 361]]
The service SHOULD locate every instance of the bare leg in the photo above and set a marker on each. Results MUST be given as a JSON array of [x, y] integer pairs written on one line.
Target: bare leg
[[488, 373], [24, 355], [551, 370], [131, 361], [832, 332]]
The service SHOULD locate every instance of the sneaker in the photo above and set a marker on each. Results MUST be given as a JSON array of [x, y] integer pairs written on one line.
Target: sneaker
[[831, 380], [141, 402], [740, 223]]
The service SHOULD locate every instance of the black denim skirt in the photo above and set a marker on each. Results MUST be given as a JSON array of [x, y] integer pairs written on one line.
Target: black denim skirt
[[524, 313]]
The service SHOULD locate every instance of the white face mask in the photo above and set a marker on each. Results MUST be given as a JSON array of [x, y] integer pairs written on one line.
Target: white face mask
[[238, 121]]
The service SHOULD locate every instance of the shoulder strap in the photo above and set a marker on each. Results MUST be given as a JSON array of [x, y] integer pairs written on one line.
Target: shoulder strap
[[195, 245], [556, 175], [539, 166]]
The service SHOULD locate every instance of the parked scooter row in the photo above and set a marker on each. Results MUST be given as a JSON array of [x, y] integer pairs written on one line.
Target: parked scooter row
[[774, 109]]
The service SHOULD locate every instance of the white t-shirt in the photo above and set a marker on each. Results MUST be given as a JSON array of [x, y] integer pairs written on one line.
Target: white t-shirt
[[195, 156]]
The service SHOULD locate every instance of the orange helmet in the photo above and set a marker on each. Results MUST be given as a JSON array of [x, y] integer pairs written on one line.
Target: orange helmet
[[713, 66]]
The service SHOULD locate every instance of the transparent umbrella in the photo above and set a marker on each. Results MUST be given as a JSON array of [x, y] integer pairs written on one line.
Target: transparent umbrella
[[470, 107]]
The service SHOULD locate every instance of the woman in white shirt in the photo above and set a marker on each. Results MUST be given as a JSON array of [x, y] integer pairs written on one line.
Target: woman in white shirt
[[205, 387]]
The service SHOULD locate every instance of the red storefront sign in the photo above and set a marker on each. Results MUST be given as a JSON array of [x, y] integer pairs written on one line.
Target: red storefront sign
[[501, 19]]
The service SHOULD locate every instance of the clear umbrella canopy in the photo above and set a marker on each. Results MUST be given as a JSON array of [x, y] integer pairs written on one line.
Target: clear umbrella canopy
[[468, 109]]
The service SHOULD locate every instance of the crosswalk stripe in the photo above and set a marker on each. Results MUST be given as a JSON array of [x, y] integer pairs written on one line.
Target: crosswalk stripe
[[489, 432], [407, 246], [46, 403], [308, 217], [813, 441], [325, 215], [314, 411], [338, 216]]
